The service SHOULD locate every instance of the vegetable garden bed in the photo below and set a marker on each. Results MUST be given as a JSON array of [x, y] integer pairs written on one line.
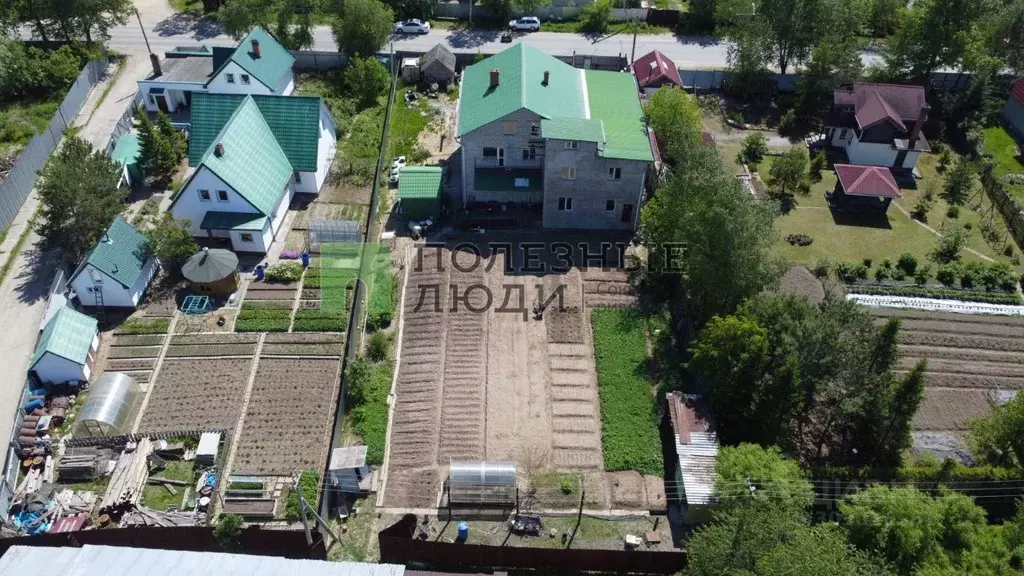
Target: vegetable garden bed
[[144, 326], [219, 338], [263, 321], [319, 321], [134, 352], [331, 349], [138, 340], [198, 350], [298, 338]]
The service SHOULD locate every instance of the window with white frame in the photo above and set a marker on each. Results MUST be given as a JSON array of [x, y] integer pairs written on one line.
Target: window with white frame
[[245, 78], [245, 236], [230, 78], [222, 195], [569, 173], [510, 127], [571, 144], [204, 196], [609, 206], [565, 203], [614, 173]]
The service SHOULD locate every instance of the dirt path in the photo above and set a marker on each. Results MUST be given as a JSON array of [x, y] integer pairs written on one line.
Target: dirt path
[[156, 371]]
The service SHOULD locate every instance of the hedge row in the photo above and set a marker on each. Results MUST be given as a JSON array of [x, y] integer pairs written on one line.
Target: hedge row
[[934, 292]]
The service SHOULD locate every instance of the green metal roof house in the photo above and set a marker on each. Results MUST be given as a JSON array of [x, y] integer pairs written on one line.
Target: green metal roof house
[[252, 154], [67, 348], [536, 131], [419, 192], [118, 269], [259, 64]]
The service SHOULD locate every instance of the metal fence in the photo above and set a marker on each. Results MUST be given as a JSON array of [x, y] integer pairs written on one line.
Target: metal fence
[[22, 178], [125, 123]]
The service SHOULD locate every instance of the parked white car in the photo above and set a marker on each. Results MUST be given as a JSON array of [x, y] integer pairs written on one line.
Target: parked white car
[[412, 27], [525, 24]]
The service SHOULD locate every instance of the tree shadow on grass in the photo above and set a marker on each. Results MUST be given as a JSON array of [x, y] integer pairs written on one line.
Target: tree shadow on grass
[[861, 219]]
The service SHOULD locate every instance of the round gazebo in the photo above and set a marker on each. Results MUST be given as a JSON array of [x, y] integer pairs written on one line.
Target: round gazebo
[[212, 271]]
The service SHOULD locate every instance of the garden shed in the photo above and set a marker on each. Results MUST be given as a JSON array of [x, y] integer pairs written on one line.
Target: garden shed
[[438, 66], [67, 348], [213, 272], [419, 192], [109, 407], [481, 482], [332, 232], [126, 153]]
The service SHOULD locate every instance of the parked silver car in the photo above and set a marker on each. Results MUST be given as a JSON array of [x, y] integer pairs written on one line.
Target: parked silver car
[[525, 24]]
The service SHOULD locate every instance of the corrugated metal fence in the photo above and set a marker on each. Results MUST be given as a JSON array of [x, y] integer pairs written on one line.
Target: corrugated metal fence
[[715, 79], [19, 182]]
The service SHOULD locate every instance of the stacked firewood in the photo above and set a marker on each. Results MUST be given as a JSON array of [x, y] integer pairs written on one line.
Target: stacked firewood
[[128, 479]]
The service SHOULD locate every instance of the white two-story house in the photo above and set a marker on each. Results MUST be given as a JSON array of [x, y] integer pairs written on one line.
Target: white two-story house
[[258, 65], [879, 125]]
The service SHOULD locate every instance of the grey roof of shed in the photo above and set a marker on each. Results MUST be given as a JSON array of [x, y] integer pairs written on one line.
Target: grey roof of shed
[[191, 69], [92, 560], [210, 265], [440, 53]]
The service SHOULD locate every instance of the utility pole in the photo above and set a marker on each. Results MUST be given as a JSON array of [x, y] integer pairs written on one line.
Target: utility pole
[[143, 28]]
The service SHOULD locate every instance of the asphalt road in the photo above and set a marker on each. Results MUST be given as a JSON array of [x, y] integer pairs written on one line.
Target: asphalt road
[[686, 52]]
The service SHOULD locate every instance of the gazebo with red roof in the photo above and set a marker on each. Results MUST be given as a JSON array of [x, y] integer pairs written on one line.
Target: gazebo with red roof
[[863, 189], [654, 70]]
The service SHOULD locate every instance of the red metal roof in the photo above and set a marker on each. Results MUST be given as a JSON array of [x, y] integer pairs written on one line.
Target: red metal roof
[[1018, 91], [873, 103], [654, 68], [867, 181]]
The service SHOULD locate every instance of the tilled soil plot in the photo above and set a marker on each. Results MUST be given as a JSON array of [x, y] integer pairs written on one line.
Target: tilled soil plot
[[607, 288], [288, 421], [969, 358], [197, 393]]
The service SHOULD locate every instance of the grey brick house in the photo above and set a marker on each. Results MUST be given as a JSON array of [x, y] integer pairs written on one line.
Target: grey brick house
[[536, 131]]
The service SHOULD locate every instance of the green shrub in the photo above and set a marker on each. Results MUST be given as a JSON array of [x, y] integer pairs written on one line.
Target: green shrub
[[369, 386], [921, 209], [144, 326], [882, 273], [818, 163], [378, 346], [948, 274], [629, 420], [286, 271], [999, 275], [907, 263], [567, 487], [851, 271], [595, 18], [922, 275], [755, 146], [867, 262], [953, 211], [821, 268]]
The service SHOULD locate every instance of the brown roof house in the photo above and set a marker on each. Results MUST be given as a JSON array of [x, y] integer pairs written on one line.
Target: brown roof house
[[879, 124], [654, 70], [863, 189], [697, 451]]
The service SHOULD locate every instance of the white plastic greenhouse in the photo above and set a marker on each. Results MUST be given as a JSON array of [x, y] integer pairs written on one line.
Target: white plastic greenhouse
[[482, 482], [109, 407]]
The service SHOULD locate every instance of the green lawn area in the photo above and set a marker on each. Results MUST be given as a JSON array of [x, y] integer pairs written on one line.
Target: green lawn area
[[371, 416], [157, 497], [1004, 149], [853, 238], [20, 121], [407, 121], [629, 420], [187, 5]]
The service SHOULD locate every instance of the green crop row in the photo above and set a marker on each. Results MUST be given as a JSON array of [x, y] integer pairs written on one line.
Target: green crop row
[[143, 326], [319, 321], [267, 305], [371, 414], [629, 416], [263, 321]]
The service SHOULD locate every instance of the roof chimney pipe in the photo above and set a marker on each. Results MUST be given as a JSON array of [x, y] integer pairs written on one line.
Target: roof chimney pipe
[[256, 48], [155, 61], [915, 130], [547, 75], [495, 77], [218, 150]]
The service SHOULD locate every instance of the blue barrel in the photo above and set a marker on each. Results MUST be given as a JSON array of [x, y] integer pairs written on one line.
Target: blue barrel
[[38, 392], [33, 404], [463, 533], [259, 273], [305, 259]]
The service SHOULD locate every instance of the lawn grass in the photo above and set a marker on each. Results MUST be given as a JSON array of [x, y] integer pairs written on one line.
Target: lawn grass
[[629, 419], [144, 326], [21, 121], [1003, 148], [157, 497], [371, 416], [407, 121], [355, 546]]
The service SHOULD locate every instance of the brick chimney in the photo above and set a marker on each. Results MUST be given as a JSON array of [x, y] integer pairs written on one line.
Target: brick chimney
[[155, 61], [495, 77], [547, 75], [218, 150], [256, 48], [915, 130]]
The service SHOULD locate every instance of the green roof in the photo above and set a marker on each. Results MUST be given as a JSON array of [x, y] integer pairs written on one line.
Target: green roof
[[272, 65], [68, 334], [121, 254], [573, 129], [521, 75], [586, 105], [241, 221], [293, 120], [614, 101], [127, 149], [253, 165], [419, 182]]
